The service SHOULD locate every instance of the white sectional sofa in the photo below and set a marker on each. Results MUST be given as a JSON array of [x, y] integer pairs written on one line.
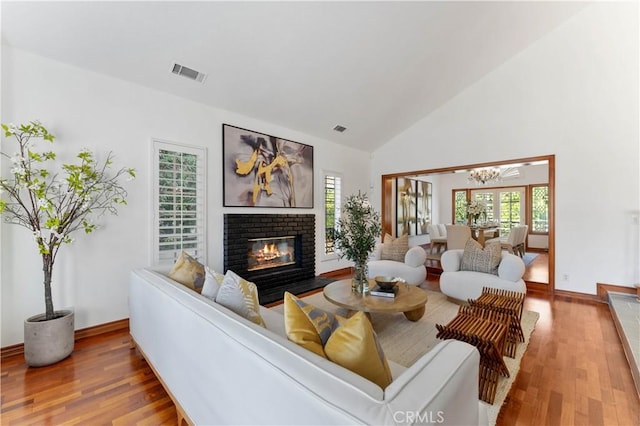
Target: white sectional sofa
[[220, 368], [465, 285]]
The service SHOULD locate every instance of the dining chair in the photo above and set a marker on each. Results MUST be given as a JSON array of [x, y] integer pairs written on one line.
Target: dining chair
[[457, 236], [511, 241], [437, 239], [520, 247]]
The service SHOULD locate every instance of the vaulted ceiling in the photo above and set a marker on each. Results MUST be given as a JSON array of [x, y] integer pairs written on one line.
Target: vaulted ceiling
[[373, 67]]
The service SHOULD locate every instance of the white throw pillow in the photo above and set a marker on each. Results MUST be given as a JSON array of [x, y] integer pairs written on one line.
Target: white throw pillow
[[241, 296], [212, 282]]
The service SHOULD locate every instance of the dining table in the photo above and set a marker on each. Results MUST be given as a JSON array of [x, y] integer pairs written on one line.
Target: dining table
[[482, 233]]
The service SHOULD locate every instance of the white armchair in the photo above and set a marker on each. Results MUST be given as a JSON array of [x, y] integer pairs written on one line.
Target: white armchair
[[412, 270], [465, 285]]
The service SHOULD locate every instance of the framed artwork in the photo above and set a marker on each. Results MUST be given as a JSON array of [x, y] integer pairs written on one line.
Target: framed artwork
[[261, 170], [405, 206], [424, 196]]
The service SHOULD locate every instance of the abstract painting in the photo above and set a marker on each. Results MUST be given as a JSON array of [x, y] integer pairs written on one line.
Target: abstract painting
[[261, 170]]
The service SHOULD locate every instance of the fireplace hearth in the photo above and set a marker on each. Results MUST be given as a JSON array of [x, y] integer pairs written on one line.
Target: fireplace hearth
[[275, 251]]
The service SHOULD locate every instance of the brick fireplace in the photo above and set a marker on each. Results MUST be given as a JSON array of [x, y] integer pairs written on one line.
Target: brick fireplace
[[242, 230]]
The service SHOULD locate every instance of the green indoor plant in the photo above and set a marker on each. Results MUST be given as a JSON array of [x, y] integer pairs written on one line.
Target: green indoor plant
[[53, 200], [355, 236]]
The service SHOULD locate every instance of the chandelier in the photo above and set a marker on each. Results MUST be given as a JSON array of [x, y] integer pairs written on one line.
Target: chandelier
[[484, 176]]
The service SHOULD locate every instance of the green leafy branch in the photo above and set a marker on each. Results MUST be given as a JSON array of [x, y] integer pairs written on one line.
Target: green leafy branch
[[52, 208]]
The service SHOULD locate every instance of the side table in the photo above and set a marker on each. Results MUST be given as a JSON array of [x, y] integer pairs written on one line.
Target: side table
[[487, 331], [506, 302]]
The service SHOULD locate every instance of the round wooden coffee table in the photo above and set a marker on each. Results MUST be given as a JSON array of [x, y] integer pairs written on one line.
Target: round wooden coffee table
[[410, 300]]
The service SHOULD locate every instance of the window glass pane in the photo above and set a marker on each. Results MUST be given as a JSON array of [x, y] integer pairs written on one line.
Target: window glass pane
[[540, 209], [510, 214], [179, 202], [331, 210], [460, 202]]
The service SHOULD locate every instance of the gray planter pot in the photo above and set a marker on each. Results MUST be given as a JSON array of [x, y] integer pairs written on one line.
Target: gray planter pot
[[47, 342]]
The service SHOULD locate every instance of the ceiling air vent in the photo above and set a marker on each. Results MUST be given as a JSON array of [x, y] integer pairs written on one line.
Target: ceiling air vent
[[339, 128], [188, 73]]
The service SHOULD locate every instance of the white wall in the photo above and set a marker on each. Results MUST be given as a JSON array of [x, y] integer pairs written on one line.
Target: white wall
[[84, 109], [572, 93]]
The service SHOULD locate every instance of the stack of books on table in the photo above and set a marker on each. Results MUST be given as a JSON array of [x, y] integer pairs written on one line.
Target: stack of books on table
[[384, 292]]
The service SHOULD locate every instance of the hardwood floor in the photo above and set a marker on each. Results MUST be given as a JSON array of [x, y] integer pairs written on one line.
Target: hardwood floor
[[538, 270], [574, 372]]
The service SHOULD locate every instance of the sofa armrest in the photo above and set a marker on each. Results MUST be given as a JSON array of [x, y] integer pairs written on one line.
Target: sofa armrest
[[511, 267], [415, 256], [451, 260], [376, 254], [438, 385]]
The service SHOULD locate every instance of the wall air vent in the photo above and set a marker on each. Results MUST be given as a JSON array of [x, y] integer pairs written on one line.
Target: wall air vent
[[339, 128], [188, 73]]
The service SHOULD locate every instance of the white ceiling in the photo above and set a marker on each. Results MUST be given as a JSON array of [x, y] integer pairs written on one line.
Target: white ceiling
[[374, 67]]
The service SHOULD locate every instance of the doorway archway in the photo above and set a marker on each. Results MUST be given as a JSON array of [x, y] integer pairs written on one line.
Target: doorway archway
[[387, 203]]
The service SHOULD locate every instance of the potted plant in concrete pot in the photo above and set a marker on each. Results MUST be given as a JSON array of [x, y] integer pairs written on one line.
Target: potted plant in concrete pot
[[53, 200]]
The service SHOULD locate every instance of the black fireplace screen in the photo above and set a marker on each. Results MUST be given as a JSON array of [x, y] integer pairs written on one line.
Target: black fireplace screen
[[272, 252]]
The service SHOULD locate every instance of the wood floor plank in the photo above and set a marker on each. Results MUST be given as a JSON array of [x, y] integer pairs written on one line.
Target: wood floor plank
[[574, 372]]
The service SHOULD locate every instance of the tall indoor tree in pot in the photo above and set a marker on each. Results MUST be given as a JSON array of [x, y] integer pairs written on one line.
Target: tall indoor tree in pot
[[53, 200]]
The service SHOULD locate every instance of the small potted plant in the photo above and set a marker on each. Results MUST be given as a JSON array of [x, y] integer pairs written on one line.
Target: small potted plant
[[53, 203]]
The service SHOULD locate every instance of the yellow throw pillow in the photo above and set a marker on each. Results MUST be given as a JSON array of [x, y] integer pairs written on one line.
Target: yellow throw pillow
[[307, 325], [394, 248], [188, 272], [354, 345], [240, 296], [351, 343]]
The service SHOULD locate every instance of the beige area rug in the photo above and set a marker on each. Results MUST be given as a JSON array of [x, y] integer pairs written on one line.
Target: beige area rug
[[404, 341]]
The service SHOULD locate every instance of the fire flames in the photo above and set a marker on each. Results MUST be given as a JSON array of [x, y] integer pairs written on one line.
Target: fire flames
[[268, 252]]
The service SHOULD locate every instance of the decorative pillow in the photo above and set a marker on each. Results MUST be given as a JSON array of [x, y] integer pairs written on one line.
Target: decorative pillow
[[308, 326], [212, 282], [486, 260], [241, 296], [351, 343], [188, 272], [395, 248]]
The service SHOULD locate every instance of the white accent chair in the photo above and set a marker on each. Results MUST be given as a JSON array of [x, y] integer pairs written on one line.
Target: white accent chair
[[412, 270], [465, 285]]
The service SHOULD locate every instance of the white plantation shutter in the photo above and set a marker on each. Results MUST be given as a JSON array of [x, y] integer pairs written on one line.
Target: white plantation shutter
[[332, 208], [179, 198]]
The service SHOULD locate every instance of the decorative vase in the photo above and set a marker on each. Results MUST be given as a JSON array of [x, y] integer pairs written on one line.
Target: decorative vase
[[360, 278], [47, 342]]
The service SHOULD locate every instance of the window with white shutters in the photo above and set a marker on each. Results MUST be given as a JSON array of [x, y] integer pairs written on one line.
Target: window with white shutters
[[179, 198], [332, 204]]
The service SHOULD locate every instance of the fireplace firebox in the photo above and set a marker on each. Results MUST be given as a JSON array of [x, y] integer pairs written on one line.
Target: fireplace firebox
[[289, 256], [265, 253]]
